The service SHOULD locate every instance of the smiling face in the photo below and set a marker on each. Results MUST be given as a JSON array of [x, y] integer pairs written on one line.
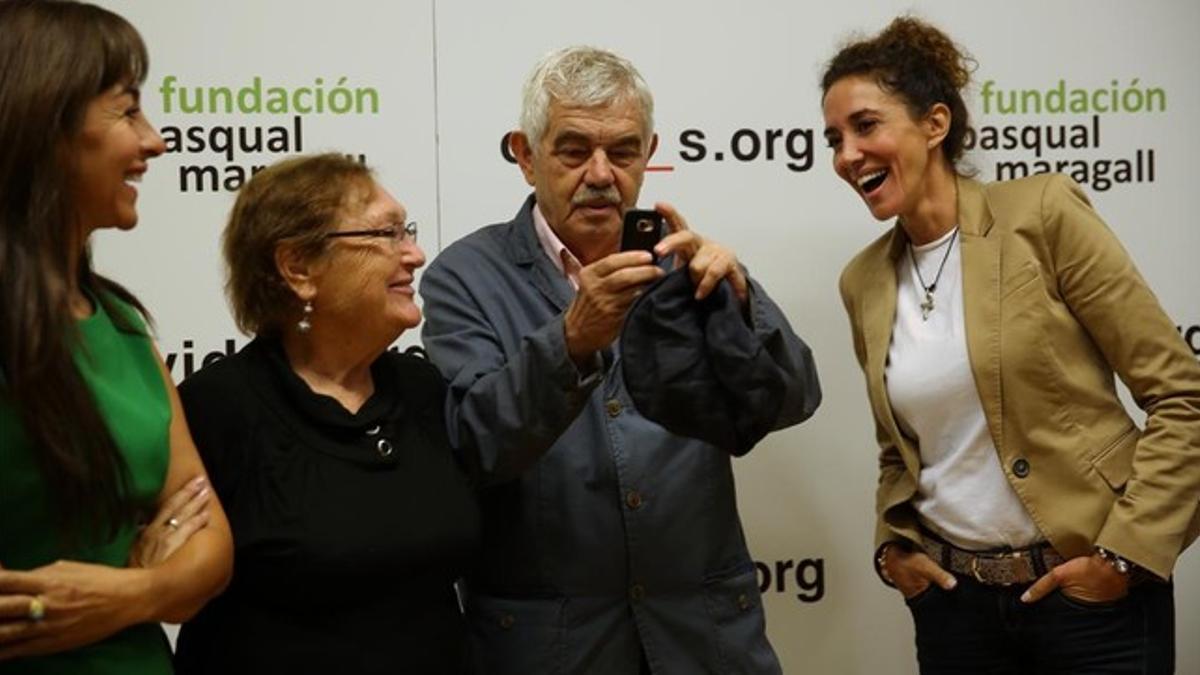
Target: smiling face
[[879, 149], [364, 282], [587, 171], [110, 155]]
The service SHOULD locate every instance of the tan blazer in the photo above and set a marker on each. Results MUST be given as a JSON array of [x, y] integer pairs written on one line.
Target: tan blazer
[[1053, 306]]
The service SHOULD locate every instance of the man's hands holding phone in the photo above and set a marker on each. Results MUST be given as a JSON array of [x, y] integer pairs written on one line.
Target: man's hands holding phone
[[608, 287]]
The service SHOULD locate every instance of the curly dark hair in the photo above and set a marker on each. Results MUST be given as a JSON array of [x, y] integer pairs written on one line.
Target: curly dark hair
[[917, 62]]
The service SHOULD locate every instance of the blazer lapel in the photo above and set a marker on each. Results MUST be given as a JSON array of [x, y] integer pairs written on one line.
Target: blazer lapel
[[878, 316], [981, 298]]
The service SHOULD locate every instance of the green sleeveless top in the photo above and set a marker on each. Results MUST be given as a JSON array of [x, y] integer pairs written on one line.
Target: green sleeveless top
[[123, 374]]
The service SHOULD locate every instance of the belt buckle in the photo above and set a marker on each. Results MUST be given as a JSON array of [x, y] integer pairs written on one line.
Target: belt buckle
[[1005, 555], [975, 570]]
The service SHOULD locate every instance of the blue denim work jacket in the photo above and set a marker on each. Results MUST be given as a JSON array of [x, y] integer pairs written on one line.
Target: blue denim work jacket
[[604, 534]]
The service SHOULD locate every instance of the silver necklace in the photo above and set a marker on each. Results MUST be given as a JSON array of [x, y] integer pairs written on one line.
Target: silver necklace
[[927, 304]]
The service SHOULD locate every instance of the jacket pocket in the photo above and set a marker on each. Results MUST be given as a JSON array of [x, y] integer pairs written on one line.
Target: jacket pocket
[[516, 636], [1115, 462], [735, 608], [1022, 279]]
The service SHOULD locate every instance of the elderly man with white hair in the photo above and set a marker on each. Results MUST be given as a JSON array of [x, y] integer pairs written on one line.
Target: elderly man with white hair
[[611, 545]]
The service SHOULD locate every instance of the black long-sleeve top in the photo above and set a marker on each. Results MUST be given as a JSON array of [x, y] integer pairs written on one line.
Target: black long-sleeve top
[[350, 529]]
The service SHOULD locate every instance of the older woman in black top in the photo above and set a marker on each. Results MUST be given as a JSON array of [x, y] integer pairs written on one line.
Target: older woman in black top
[[350, 517]]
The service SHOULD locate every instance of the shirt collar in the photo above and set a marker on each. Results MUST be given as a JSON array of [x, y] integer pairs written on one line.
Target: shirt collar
[[564, 261]]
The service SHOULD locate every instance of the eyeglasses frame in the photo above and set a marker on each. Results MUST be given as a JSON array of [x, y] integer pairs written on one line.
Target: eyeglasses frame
[[407, 233]]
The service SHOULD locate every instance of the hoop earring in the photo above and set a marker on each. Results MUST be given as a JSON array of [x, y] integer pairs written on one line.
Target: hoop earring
[[304, 324]]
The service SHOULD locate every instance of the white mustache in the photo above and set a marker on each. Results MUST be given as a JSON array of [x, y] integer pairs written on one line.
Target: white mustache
[[587, 194]]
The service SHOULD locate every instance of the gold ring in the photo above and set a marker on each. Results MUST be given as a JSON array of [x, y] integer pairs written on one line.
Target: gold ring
[[37, 609], [173, 523]]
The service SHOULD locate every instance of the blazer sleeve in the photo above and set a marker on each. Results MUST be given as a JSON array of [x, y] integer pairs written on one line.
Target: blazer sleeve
[[1150, 522]]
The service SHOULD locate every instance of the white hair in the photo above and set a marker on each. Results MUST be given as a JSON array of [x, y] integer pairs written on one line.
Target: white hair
[[583, 77]]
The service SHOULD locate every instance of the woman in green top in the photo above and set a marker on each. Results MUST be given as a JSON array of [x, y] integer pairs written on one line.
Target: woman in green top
[[92, 439]]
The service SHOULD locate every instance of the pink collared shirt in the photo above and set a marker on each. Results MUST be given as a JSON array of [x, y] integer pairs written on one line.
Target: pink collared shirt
[[564, 261]]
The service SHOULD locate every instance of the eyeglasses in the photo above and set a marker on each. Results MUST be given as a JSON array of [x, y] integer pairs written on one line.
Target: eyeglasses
[[398, 234]]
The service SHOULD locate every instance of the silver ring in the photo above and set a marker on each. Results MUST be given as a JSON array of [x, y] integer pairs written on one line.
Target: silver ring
[[37, 609], [173, 523]]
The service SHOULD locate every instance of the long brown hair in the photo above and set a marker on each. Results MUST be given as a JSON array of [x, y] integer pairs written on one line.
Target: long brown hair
[[55, 57]]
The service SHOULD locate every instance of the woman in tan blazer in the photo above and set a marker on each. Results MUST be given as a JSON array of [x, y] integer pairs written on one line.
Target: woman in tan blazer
[[1030, 524]]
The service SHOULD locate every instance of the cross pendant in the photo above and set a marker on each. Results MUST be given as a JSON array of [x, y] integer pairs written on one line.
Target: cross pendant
[[927, 306]]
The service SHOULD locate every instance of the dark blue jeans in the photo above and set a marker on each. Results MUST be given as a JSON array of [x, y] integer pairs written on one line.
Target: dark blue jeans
[[980, 629]]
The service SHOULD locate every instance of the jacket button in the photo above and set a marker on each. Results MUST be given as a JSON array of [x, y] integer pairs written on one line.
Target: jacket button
[[1020, 468], [743, 602], [613, 406], [636, 592], [507, 621], [633, 500]]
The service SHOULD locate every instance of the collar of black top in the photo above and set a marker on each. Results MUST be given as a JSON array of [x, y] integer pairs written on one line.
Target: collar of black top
[[697, 368]]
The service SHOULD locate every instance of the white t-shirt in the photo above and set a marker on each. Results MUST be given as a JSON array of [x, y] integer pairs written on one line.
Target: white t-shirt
[[962, 494]]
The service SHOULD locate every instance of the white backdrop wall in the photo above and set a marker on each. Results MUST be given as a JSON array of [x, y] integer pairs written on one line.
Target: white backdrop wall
[[425, 91]]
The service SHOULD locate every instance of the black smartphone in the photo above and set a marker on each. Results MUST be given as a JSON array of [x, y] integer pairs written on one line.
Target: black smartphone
[[642, 230]]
